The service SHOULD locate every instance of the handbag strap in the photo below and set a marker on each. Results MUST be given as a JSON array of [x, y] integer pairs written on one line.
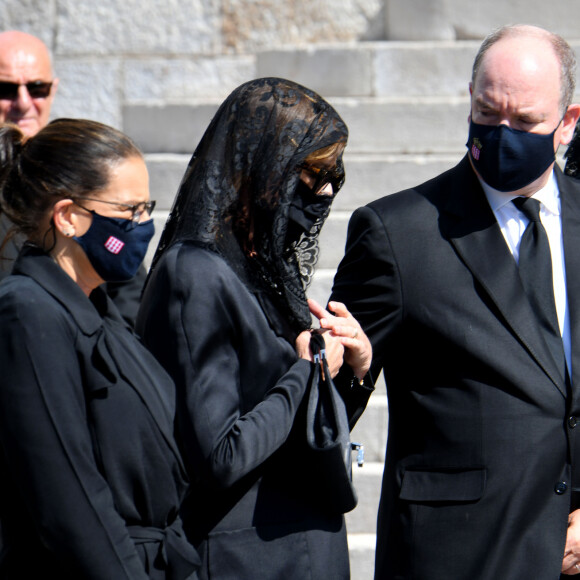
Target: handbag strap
[[318, 347]]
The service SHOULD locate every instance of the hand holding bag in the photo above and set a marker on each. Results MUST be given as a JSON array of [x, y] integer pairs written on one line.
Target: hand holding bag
[[328, 438]]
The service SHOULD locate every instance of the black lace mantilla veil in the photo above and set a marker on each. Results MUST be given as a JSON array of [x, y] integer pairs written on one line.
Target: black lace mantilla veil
[[235, 195]]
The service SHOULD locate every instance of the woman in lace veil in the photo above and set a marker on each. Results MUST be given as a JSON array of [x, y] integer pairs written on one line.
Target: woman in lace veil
[[226, 313], [236, 195]]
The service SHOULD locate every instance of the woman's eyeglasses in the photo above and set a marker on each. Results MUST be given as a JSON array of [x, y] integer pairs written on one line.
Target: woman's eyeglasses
[[136, 210], [334, 176], [36, 89]]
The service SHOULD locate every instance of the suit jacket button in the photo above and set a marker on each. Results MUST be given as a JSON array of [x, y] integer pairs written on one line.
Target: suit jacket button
[[572, 422], [561, 487]]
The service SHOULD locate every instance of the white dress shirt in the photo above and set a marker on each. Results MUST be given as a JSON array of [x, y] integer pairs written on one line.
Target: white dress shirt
[[512, 223]]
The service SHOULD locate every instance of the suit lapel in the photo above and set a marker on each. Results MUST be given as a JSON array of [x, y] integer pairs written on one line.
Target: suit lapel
[[570, 203], [473, 230]]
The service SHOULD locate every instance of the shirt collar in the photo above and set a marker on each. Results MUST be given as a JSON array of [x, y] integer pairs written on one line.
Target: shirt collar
[[549, 196]]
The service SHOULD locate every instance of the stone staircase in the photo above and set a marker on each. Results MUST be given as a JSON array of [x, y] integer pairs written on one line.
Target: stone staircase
[[406, 105]]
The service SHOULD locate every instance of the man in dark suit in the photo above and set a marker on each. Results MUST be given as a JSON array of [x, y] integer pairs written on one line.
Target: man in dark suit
[[482, 468]]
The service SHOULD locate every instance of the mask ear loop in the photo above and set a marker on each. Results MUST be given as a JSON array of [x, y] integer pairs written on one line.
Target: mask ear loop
[[51, 229]]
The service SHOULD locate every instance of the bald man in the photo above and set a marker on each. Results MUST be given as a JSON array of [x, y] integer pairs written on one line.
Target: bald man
[[27, 89], [482, 472], [27, 83]]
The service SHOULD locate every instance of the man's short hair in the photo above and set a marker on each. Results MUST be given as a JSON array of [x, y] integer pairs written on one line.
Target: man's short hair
[[562, 49]]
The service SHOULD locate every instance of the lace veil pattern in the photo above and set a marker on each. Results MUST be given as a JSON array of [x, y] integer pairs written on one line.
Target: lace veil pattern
[[236, 192]]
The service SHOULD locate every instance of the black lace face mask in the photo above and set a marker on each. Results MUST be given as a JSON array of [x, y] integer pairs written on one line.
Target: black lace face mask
[[239, 196], [306, 215], [305, 211]]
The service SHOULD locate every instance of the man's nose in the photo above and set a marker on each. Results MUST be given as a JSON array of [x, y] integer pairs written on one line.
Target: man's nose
[[23, 99]]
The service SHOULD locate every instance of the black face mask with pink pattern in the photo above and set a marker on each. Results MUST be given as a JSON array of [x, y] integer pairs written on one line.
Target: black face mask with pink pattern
[[116, 247]]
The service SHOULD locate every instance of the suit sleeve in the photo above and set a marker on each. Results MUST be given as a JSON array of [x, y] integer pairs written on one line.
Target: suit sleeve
[[228, 428], [368, 283], [47, 445]]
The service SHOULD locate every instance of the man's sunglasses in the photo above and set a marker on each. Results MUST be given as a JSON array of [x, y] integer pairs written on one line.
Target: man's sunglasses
[[36, 89], [334, 176]]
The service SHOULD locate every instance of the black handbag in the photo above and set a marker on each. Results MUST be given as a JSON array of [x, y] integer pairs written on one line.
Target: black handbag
[[328, 438]]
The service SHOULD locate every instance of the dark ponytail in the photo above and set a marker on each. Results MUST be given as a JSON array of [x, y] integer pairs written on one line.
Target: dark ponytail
[[68, 158], [11, 145], [12, 142]]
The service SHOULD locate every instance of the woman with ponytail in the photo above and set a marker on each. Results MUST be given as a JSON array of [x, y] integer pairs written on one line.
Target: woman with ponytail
[[91, 477]]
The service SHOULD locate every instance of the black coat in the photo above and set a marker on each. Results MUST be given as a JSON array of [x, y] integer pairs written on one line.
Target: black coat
[[481, 457], [89, 466], [239, 388]]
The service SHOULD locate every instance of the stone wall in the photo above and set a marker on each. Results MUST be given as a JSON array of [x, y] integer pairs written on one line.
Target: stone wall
[[473, 19], [110, 53]]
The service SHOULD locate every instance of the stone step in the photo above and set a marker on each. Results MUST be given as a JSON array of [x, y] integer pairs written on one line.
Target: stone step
[[378, 69], [373, 175], [450, 19], [367, 481], [332, 241], [333, 235], [395, 96], [419, 125], [321, 285], [371, 428], [361, 522], [361, 548], [358, 69], [165, 173], [368, 176]]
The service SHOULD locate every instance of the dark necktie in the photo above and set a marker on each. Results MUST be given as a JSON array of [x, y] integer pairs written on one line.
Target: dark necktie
[[535, 266]]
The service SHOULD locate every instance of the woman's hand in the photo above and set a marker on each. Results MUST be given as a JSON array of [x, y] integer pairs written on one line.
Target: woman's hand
[[334, 350], [342, 325]]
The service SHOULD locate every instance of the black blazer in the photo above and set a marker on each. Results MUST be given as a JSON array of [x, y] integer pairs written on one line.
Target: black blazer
[[481, 458], [239, 390], [91, 477]]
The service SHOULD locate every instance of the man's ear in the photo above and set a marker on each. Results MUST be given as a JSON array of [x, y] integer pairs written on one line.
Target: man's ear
[[470, 95], [569, 123]]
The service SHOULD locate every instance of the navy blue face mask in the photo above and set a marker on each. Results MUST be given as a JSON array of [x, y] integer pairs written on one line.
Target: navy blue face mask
[[116, 247], [508, 159]]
